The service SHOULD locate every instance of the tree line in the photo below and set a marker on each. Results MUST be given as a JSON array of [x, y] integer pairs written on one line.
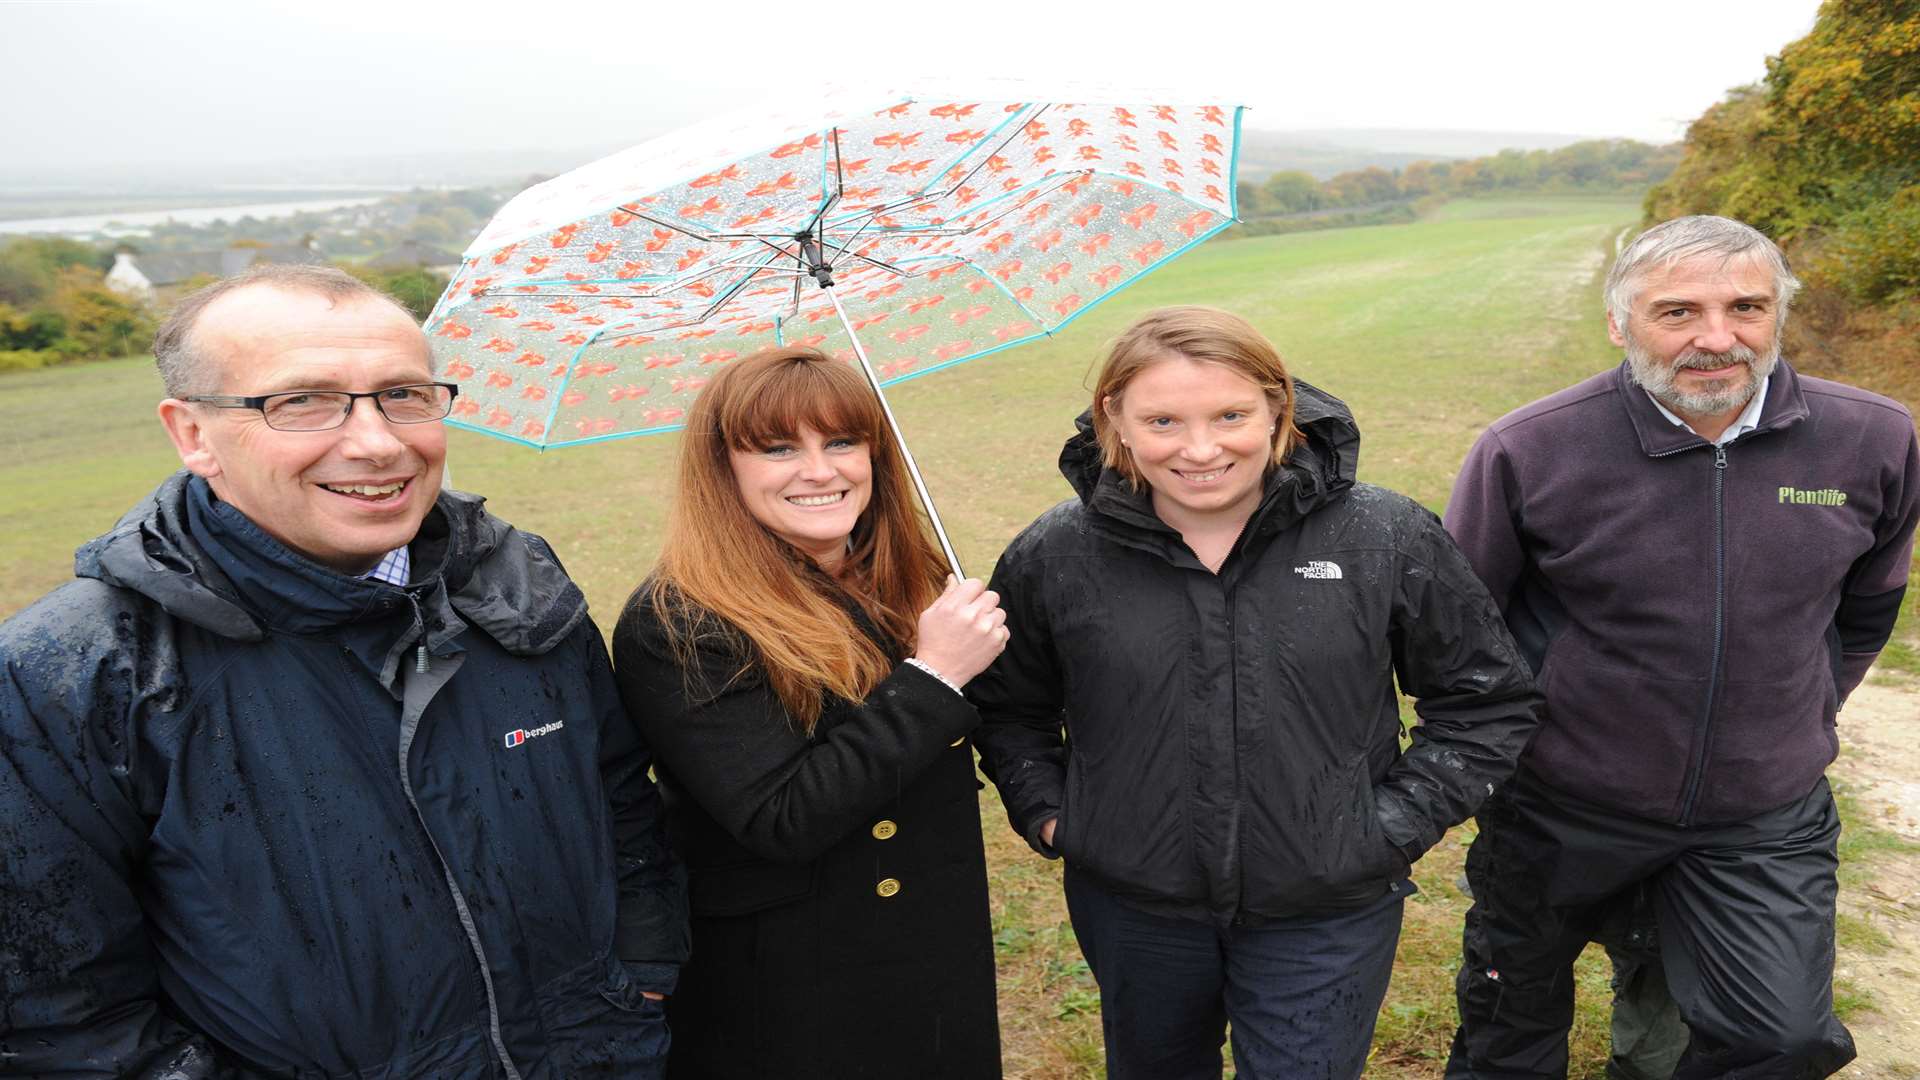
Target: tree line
[[447, 219], [55, 307], [1292, 200]]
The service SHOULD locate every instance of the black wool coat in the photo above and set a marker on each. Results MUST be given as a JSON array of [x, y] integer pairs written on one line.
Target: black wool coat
[[837, 882], [1232, 749]]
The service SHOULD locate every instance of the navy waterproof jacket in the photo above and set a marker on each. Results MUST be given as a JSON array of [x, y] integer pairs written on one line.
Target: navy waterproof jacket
[[246, 828]]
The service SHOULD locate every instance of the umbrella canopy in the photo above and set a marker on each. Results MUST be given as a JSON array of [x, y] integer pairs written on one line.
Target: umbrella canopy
[[596, 304]]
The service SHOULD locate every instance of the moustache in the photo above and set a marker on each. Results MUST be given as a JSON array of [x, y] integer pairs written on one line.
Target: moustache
[[1698, 360]]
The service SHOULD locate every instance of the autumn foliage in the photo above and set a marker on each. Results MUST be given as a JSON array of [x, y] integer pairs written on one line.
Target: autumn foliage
[[55, 307], [1824, 155]]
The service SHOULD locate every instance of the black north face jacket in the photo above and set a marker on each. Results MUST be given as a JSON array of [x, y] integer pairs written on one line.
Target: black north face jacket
[[245, 831], [1232, 742]]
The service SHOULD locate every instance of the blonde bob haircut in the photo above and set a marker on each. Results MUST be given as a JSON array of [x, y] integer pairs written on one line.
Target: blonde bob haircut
[[723, 574], [1204, 335]]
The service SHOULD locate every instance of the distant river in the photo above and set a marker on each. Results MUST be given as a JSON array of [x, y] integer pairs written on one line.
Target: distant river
[[141, 222]]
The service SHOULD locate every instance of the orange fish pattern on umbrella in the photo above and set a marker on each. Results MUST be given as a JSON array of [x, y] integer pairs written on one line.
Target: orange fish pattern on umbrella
[[597, 304]]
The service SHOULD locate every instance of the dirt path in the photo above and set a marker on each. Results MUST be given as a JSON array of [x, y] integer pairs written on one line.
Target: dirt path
[[1880, 766]]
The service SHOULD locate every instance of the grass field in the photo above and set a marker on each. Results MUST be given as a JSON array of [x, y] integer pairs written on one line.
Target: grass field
[[1429, 331]]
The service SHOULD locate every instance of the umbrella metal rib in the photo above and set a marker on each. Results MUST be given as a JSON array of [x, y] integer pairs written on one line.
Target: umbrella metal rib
[[811, 261], [913, 469]]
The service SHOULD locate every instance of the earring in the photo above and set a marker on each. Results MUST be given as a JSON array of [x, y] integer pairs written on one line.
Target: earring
[[1126, 444]]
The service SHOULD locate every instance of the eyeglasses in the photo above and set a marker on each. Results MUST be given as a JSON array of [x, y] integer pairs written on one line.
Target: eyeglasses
[[321, 410]]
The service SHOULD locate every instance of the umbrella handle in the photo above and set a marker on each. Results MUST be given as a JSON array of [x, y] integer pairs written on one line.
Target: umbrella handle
[[913, 470]]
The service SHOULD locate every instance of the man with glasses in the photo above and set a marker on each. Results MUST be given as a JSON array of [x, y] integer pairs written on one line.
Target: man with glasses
[[319, 769]]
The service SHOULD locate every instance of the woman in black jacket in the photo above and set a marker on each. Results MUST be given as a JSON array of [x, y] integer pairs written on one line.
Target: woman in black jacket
[[796, 667], [1218, 620]]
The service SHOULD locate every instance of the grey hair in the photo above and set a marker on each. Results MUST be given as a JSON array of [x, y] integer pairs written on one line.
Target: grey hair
[[1683, 238], [183, 366]]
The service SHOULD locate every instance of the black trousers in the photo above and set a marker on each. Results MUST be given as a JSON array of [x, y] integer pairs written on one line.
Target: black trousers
[[1746, 914]]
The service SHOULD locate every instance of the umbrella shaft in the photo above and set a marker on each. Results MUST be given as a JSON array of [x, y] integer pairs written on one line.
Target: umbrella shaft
[[913, 470]]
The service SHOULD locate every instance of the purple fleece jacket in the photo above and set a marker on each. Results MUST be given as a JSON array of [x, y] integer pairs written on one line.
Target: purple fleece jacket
[[1694, 616]]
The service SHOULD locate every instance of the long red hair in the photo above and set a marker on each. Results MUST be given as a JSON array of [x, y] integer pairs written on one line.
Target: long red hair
[[722, 573]]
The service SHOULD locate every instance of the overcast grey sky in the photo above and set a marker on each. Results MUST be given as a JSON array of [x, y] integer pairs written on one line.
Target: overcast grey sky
[[121, 87]]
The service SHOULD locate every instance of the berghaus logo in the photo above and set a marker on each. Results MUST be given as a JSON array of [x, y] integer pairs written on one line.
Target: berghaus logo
[[519, 735]]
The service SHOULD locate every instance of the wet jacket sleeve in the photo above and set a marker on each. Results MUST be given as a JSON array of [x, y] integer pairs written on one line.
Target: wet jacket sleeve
[[1473, 693], [1021, 705], [1877, 583], [651, 937], [78, 986], [785, 797], [1483, 517]]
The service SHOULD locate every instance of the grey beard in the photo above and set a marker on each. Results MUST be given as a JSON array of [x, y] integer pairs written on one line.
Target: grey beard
[[1722, 395]]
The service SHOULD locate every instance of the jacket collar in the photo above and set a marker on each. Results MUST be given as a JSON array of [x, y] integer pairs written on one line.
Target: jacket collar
[[279, 586], [1785, 406], [207, 564], [1319, 470]]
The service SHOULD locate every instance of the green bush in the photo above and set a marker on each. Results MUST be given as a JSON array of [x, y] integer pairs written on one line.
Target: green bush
[[28, 359], [98, 323], [1873, 254], [35, 329], [31, 265]]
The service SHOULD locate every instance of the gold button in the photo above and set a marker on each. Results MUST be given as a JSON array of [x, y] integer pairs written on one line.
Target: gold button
[[961, 741], [884, 830], [887, 887]]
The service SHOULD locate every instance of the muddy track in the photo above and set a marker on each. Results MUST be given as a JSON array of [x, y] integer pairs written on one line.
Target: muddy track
[[1880, 766]]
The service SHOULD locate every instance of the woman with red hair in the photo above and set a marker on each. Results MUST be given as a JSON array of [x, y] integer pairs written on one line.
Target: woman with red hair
[[795, 663]]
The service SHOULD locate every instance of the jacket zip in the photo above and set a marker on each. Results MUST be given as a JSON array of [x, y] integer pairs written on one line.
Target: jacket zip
[[420, 650], [409, 727], [1704, 730], [1239, 834]]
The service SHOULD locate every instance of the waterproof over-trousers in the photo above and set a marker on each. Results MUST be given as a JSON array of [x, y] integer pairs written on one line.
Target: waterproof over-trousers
[[1648, 1034], [1746, 915]]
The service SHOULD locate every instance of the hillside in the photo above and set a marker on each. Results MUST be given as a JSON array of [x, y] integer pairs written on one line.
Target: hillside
[[1429, 331]]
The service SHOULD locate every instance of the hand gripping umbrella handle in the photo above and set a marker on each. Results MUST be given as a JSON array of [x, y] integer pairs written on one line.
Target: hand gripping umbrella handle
[[913, 470]]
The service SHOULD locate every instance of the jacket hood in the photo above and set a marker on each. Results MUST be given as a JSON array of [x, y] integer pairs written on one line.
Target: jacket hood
[[503, 581], [1321, 467]]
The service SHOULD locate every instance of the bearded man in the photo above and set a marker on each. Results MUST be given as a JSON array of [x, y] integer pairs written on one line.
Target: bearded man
[[1700, 552]]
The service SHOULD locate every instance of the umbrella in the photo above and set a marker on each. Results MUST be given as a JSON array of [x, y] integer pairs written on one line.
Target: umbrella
[[903, 231]]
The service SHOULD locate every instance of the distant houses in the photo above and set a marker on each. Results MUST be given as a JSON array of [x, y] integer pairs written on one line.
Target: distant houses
[[160, 274], [410, 254]]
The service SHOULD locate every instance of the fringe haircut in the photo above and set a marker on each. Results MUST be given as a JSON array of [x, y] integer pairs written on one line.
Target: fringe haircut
[[721, 574]]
